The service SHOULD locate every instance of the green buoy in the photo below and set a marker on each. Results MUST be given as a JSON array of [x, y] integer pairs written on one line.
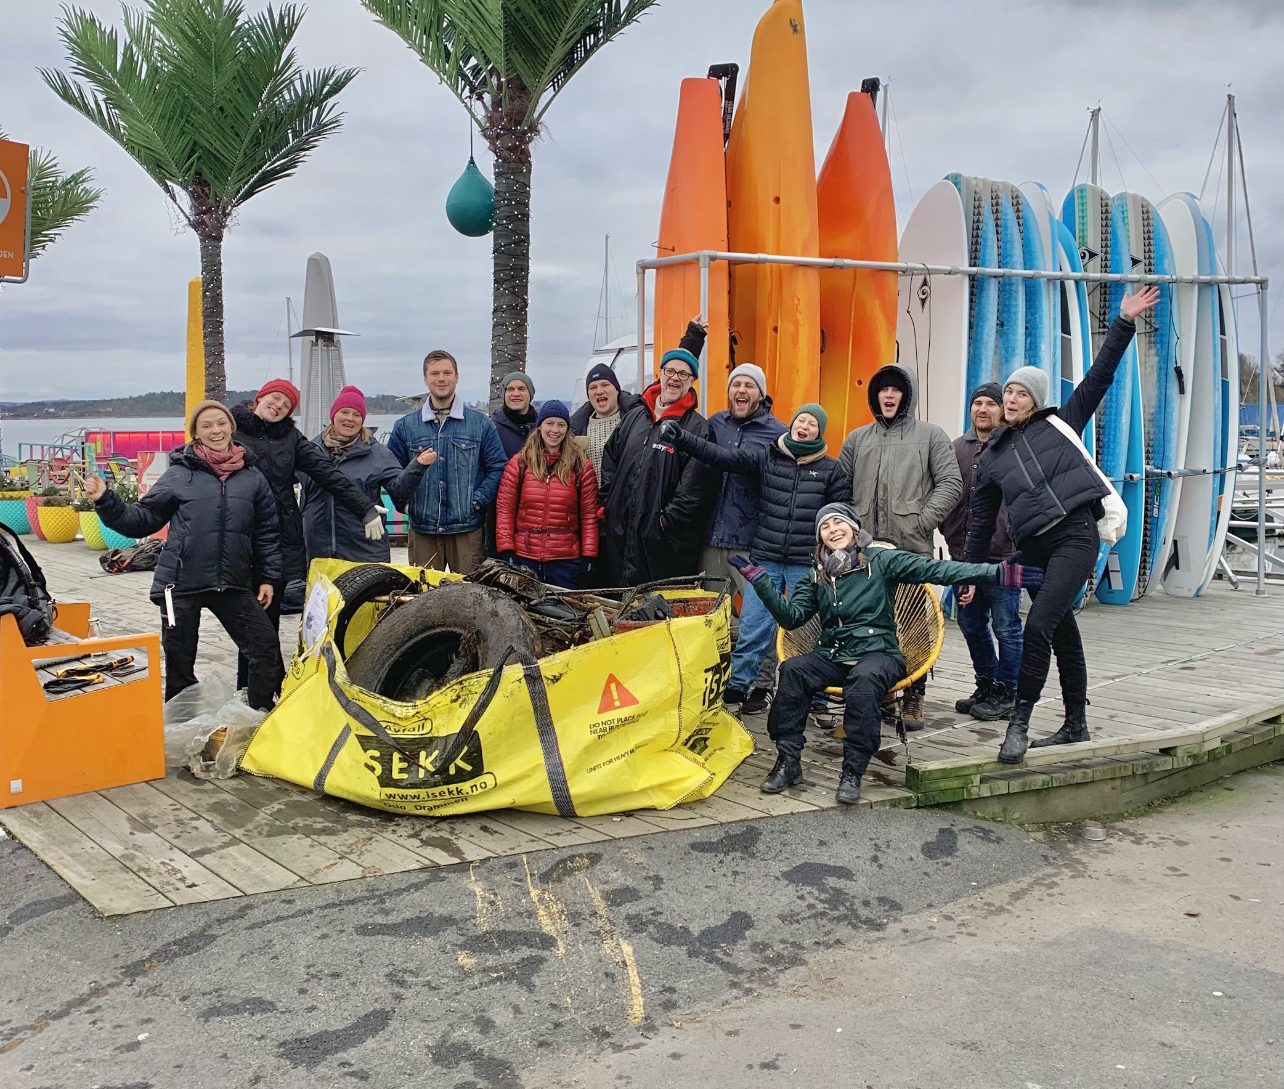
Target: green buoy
[[470, 204]]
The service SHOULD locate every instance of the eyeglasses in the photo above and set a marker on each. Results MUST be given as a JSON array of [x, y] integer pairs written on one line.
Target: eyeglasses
[[675, 372]]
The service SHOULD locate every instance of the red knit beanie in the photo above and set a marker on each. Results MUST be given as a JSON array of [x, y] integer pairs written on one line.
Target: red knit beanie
[[349, 397], [279, 385]]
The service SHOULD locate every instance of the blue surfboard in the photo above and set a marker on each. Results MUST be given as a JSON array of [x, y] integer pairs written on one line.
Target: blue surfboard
[[983, 292], [1098, 231], [1038, 317], [1009, 343]]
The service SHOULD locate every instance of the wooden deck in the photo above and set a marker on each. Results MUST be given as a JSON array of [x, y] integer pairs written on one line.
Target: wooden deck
[[1175, 685]]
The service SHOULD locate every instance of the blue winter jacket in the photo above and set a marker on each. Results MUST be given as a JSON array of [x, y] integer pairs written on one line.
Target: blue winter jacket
[[455, 490], [735, 513]]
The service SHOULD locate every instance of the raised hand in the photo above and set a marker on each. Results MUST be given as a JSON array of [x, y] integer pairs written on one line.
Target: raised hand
[[748, 570], [669, 431], [1133, 306], [95, 488], [426, 457]]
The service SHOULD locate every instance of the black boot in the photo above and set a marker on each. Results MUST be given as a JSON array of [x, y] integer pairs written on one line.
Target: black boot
[[998, 704], [786, 771], [1072, 731], [848, 792], [1015, 742], [983, 686]]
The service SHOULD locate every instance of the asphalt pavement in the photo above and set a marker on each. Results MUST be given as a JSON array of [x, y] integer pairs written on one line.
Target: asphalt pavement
[[861, 948]]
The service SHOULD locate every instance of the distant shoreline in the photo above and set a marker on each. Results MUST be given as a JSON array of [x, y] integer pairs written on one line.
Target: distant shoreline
[[153, 405]]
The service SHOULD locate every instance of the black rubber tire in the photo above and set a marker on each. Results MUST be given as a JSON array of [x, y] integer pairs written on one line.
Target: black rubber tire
[[359, 585], [437, 637]]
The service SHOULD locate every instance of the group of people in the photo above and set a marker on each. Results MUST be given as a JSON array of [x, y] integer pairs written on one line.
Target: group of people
[[635, 488]]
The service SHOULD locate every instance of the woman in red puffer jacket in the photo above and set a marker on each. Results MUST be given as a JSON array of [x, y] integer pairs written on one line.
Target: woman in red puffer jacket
[[546, 511]]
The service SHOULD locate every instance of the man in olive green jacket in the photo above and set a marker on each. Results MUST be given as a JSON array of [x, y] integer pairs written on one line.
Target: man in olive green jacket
[[905, 479]]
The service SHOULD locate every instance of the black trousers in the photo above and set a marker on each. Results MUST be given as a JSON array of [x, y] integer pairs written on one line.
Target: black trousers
[[864, 686], [245, 620], [1067, 552], [273, 613]]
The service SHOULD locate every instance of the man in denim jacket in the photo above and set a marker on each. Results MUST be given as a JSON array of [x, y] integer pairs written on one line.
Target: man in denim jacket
[[459, 456]]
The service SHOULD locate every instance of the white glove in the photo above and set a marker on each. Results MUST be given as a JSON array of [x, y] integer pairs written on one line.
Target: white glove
[[374, 527]]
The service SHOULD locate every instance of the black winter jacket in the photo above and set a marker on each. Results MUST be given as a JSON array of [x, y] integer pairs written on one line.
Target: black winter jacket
[[645, 480], [791, 493], [734, 521], [580, 417], [512, 435], [330, 530], [1034, 470], [223, 534], [280, 450]]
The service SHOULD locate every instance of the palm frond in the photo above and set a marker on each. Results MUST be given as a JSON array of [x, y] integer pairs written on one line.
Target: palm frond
[[57, 200], [211, 103]]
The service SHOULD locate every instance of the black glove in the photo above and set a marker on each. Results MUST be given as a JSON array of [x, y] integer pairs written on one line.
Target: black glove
[[1014, 575], [508, 556], [669, 431], [749, 571]]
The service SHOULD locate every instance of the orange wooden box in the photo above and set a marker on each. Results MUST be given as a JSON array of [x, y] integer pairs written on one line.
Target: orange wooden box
[[101, 737]]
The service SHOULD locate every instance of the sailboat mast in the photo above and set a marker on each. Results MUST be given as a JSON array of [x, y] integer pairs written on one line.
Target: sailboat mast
[[289, 344], [606, 290], [1231, 136], [1094, 131]]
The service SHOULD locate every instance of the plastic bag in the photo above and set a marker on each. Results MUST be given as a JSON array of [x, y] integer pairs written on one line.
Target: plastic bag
[[207, 728]]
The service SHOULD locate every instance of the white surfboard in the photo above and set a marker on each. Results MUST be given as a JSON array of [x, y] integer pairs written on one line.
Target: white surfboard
[[1226, 450], [932, 311], [1194, 521]]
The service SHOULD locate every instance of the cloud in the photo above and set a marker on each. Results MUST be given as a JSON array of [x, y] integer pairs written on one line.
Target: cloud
[[1002, 97]]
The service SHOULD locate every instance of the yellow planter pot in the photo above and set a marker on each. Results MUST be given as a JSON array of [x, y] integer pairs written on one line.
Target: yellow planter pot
[[91, 529], [59, 525]]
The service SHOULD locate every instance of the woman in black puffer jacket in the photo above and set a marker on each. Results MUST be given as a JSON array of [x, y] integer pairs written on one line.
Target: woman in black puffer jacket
[[795, 479], [1053, 499], [222, 553], [280, 451]]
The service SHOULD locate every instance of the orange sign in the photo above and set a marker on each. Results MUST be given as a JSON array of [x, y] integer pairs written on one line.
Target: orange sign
[[14, 160], [615, 697]]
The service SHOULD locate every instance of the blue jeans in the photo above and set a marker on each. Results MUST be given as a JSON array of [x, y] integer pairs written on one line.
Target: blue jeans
[[563, 573], [999, 607], [757, 627]]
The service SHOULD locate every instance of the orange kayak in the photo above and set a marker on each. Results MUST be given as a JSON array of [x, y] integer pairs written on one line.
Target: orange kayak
[[771, 208], [694, 217], [857, 218]]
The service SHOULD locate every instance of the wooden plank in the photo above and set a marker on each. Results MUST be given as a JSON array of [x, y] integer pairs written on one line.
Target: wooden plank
[[236, 862], [299, 854], [552, 829], [621, 825], [354, 835], [678, 818], [494, 836], [725, 810], [158, 862], [109, 885], [769, 805]]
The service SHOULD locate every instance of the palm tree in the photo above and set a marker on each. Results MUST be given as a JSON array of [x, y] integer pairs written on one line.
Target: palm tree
[[506, 61], [57, 200], [211, 104]]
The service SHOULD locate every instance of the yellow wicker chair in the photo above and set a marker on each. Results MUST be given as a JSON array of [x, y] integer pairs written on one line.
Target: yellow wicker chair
[[920, 630]]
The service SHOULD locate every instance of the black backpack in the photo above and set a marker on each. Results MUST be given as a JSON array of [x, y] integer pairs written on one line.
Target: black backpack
[[23, 593]]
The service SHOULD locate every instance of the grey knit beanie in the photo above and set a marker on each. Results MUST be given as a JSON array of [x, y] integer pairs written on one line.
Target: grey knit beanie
[[1034, 381], [518, 376], [749, 370]]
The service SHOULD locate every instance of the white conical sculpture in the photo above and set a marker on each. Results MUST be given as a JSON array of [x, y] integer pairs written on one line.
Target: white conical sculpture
[[321, 369]]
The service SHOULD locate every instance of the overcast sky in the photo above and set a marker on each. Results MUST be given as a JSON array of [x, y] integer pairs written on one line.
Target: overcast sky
[[1007, 98]]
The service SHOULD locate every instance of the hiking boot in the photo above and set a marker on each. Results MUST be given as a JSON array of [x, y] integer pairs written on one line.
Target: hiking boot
[[1015, 742], [786, 772], [1072, 731], [887, 709], [998, 704], [758, 700], [848, 792], [912, 709], [733, 696], [983, 686]]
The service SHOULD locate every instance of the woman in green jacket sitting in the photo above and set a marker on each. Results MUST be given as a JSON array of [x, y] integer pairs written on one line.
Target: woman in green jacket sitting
[[852, 589]]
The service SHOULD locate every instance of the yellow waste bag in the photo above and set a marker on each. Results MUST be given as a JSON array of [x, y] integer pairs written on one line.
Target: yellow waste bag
[[633, 721]]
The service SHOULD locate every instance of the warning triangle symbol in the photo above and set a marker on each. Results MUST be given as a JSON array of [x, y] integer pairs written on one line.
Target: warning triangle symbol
[[615, 697]]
